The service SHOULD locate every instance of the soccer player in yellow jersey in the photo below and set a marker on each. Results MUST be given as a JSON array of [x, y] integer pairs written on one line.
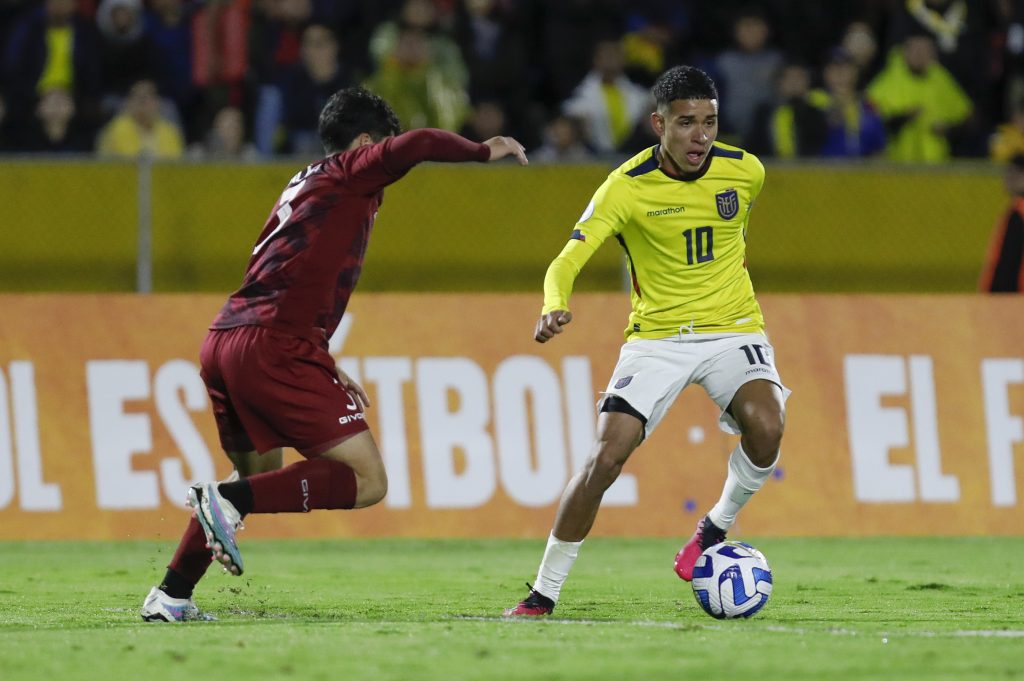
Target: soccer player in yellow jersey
[[679, 210]]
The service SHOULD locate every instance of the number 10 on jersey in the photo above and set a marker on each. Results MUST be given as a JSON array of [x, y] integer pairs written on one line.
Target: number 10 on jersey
[[699, 245]]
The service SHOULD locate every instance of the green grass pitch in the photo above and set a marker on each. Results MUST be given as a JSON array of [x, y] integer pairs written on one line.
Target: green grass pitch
[[889, 608]]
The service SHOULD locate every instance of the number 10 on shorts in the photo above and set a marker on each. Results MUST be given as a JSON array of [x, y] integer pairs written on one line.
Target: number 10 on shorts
[[755, 353]]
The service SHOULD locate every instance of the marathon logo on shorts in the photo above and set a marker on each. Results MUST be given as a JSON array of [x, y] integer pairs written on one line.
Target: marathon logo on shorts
[[352, 417], [623, 382], [728, 204]]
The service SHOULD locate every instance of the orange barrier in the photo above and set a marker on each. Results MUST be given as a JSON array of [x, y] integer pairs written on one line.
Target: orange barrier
[[907, 417]]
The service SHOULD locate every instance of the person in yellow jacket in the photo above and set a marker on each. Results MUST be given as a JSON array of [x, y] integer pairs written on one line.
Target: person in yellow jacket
[[920, 102], [1007, 141], [140, 129]]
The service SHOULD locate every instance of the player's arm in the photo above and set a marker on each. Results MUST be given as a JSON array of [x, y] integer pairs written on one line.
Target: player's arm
[[604, 217], [558, 283], [376, 166], [403, 152]]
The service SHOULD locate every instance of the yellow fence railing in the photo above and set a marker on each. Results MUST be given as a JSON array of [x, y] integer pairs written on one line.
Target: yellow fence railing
[[73, 226]]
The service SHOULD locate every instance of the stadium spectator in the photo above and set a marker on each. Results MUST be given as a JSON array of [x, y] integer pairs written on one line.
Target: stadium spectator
[[1004, 265], [695, 319], [140, 130], [563, 39], [794, 127], [51, 47], [606, 102], [169, 29], [563, 142], [265, 363], [489, 35], [861, 44], [55, 128], [964, 33], [275, 37], [486, 120], [655, 30], [422, 93], [220, 56], [854, 129], [747, 72], [1008, 139], [307, 86], [919, 101], [527, 55], [441, 51], [126, 54], [226, 140]]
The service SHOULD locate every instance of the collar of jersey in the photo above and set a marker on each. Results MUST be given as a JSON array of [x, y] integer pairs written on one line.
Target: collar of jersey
[[685, 177]]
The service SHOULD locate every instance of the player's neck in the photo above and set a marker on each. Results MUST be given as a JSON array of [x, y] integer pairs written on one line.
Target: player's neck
[[669, 166]]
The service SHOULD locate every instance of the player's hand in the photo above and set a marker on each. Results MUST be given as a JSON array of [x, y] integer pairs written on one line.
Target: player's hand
[[507, 146], [551, 324], [353, 388]]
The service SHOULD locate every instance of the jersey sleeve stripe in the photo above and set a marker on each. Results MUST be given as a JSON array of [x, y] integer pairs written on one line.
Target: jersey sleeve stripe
[[645, 167], [728, 153], [632, 267]]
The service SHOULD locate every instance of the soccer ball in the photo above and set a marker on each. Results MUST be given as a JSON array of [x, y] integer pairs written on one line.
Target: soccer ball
[[732, 579]]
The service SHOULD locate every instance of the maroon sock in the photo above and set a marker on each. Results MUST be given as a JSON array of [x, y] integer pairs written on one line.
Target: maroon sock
[[192, 558], [304, 486]]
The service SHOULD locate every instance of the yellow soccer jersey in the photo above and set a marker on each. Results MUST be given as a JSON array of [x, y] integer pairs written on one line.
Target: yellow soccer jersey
[[684, 240]]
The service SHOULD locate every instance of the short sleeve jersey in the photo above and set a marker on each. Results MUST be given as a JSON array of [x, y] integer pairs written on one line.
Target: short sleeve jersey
[[684, 242]]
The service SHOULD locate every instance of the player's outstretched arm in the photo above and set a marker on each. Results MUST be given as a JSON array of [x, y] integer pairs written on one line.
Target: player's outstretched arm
[[550, 324], [506, 146]]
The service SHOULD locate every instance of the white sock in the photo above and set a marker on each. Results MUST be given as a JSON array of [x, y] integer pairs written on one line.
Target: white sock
[[743, 480], [559, 557]]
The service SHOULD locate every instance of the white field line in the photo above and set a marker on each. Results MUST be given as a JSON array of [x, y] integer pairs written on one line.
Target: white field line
[[834, 631]]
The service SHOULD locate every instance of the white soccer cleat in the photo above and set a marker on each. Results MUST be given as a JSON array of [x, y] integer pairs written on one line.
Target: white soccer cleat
[[220, 520], [159, 607]]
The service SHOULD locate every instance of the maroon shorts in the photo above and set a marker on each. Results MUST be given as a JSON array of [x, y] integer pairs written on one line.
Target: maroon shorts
[[271, 389]]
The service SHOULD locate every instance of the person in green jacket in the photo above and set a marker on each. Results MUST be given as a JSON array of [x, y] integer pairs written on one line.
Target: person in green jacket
[[920, 102]]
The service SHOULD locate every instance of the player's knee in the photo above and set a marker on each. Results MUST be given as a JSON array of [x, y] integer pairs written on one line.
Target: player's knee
[[603, 469], [371, 489], [762, 435]]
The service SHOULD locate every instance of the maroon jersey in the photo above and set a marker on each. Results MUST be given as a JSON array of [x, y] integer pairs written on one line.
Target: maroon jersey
[[308, 257]]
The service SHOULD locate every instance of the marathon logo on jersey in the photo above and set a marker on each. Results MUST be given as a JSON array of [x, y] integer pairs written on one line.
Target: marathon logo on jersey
[[577, 234], [674, 210], [623, 382], [728, 204]]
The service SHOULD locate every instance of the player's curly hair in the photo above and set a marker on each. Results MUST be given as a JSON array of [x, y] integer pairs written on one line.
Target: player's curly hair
[[683, 82], [351, 112]]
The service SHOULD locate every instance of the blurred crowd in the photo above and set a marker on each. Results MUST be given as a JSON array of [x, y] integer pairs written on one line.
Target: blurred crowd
[[910, 80]]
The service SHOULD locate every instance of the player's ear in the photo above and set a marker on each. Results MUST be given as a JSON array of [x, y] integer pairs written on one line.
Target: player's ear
[[657, 123], [361, 140]]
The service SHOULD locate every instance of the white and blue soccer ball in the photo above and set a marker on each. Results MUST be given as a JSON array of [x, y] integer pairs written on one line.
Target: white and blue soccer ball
[[732, 579]]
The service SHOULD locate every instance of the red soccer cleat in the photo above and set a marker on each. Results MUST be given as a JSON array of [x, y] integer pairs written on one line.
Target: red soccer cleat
[[706, 536], [534, 605]]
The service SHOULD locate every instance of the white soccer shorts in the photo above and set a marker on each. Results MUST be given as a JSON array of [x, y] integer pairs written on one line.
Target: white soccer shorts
[[650, 374]]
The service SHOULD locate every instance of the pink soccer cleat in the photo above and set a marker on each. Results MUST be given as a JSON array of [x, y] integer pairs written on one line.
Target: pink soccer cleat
[[706, 536], [534, 605]]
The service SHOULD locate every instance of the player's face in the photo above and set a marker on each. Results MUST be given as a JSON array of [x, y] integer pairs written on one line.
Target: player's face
[[687, 127]]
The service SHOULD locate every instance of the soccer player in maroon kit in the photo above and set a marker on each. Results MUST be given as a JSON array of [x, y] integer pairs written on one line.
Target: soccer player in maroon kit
[[265, 362]]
